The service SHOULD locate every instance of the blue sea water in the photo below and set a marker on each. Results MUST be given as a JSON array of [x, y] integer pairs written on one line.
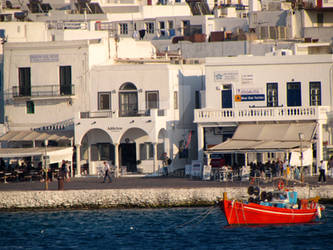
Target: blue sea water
[[172, 228]]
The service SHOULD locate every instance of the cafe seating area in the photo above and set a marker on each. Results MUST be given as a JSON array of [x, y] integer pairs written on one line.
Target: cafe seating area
[[17, 175], [16, 171]]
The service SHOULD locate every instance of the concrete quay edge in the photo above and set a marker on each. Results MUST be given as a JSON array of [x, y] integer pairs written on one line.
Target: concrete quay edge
[[136, 198]]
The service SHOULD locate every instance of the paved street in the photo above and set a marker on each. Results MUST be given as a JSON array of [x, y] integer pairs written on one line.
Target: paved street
[[134, 182]]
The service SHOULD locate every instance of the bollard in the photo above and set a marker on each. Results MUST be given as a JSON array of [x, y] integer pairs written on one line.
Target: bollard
[[60, 183]]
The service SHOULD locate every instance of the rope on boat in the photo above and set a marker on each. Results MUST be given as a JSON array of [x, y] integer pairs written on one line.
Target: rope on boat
[[244, 217], [200, 217], [232, 209]]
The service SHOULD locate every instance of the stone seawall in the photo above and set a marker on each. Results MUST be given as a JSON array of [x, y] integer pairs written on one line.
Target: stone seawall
[[127, 198]]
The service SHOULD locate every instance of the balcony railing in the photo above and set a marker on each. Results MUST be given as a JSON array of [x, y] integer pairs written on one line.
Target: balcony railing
[[97, 114], [116, 114], [44, 91], [261, 114]]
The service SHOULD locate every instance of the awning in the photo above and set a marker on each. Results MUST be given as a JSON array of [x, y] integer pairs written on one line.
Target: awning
[[271, 132], [268, 138], [56, 154], [37, 136]]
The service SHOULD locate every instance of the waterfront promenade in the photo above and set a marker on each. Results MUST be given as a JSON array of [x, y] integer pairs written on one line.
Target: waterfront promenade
[[136, 191], [137, 182]]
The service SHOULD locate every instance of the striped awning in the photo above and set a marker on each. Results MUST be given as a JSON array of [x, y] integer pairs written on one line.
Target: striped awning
[[28, 135], [56, 154]]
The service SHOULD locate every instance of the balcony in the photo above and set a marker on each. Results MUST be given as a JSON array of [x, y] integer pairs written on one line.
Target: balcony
[[261, 114], [117, 114], [42, 91]]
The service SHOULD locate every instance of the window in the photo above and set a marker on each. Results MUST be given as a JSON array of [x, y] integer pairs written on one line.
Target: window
[[170, 24], [123, 28], [172, 31], [128, 100], [65, 76], [152, 100], [320, 19], [315, 94], [146, 151], [162, 28], [30, 107], [197, 100], [104, 151], [150, 28], [272, 94], [186, 28], [104, 100], [175, 100], [24, 82]]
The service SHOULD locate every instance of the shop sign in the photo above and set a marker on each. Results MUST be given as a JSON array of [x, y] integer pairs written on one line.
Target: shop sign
[[37, 58], [226, 76], [115, 128], [248, 98]]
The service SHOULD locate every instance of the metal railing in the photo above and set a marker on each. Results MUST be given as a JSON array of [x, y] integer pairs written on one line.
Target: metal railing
[[97, 114], [44, 91], [116, 114]]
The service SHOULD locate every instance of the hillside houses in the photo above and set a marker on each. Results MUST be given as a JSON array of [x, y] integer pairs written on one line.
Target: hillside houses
[[125, 82]]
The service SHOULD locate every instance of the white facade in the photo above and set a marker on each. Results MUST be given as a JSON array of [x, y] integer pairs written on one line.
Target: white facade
[[141, 129], [266, 89], [50, 84]]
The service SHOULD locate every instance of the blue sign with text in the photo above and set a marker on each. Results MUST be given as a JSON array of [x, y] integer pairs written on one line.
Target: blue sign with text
[[248, 98]]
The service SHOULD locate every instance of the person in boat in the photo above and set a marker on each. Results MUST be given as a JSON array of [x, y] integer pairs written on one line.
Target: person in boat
[[297, 173], [284, 168], [322, 168]]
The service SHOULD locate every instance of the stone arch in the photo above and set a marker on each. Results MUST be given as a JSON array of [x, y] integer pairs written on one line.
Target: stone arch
[[127, 86], [96, 147], [163, 143], [134, 150]]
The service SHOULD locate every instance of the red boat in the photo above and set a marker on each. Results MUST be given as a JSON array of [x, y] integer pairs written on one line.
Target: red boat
[[275, 212]]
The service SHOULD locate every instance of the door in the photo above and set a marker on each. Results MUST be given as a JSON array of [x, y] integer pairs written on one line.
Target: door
[[65, 76], [272, 94], [294, 94], [24, 82], [227, 99], [128, 156], [128, 103]]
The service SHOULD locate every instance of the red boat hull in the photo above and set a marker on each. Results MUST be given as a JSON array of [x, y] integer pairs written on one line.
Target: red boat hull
[[238, 213]]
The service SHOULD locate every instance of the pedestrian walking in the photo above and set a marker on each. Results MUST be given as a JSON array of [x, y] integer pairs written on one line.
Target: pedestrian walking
[[68, 170], [165, 162], [107, 172], [322, 171], [62, 175], [330, 167]]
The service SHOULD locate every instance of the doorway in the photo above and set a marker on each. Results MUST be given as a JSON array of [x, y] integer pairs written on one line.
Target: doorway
[[227, 99], [128, 156], [294, 94]]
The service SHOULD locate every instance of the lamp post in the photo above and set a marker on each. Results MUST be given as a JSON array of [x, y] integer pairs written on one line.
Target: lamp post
[[45, 165], [301, 138]]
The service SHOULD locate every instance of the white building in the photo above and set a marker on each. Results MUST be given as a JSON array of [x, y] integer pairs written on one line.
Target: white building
[[268, 101], [136, 113], [126, 113]]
